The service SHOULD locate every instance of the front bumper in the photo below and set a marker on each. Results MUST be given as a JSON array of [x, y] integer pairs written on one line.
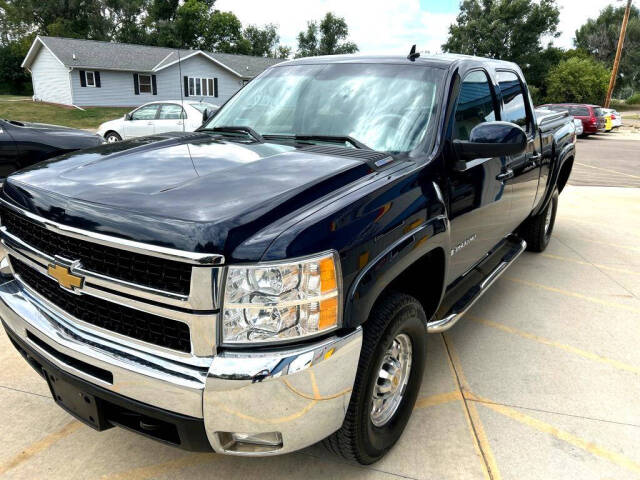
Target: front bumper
[[301, 393]]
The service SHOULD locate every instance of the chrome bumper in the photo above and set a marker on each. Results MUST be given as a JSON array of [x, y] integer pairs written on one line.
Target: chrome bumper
[[301, 393]]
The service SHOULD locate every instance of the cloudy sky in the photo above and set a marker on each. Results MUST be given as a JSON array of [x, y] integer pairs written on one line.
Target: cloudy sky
[[388, 26]]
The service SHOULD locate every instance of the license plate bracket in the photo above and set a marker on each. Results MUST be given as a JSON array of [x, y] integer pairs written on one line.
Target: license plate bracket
[[81, 405]]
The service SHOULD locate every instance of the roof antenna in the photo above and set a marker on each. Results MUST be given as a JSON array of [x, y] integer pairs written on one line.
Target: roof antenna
[[413, 54]]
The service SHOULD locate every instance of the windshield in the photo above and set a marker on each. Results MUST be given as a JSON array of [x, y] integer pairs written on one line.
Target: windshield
[[386, 107]]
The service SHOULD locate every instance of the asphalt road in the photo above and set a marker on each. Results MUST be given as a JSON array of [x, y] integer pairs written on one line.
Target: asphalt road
[[540, 380], [607, 159]]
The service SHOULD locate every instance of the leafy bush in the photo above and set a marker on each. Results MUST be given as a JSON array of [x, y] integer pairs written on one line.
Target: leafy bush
[[579, 80], [633, 99]]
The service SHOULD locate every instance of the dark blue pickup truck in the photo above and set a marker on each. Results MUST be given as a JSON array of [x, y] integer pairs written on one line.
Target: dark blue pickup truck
[[268, 281]]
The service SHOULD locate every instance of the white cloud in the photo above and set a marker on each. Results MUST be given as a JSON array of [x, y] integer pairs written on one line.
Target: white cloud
[[383, 26], [376, 26], [573, 14]]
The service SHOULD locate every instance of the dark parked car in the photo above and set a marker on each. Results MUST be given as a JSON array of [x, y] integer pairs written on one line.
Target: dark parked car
[[592, 116], [268, 281], [22, 144]]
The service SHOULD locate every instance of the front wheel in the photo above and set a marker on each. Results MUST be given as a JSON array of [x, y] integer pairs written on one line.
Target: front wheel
[[112, 137], [536, 231], [387, 381]]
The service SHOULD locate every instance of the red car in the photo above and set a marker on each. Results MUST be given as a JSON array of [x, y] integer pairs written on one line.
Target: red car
[[592, 116]]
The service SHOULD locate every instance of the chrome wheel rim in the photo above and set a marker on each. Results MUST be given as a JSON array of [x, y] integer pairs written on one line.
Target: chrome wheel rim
[[547, 219], [392, 380], [112, 139]]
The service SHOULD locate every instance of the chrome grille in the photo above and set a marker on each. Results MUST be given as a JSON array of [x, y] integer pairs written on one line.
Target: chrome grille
[[111, 316], [183, 326], [145, 270]]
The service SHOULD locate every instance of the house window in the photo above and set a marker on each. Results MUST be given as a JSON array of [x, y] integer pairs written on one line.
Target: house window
[[145, 83], [206, 87], [91, 79]]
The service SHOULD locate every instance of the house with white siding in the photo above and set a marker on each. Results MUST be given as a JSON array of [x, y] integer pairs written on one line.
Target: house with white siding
[[85, 73]]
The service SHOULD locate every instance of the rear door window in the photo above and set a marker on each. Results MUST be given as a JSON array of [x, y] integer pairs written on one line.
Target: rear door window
[[513, 99], [475, 104], [170, 111]]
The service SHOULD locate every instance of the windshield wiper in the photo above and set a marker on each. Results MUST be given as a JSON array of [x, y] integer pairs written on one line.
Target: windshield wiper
[[321, 138], [236, 129]]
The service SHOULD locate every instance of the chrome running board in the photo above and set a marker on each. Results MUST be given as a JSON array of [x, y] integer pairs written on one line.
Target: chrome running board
[[462, 294]]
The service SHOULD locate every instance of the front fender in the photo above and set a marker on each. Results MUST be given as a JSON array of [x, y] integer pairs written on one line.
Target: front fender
[[378, 229], [391, 263]]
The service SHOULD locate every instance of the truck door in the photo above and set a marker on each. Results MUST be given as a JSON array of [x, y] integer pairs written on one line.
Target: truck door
[[478, 204], [524, 167]]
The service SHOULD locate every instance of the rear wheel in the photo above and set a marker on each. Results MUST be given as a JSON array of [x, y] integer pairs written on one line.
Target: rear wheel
[[387, 382], [112, 137], [537, 230]]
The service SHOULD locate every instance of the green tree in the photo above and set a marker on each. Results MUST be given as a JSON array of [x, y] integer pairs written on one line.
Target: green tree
[[69, 18], [264, 40], [509, 30], [224, 34], [578, 79], [308, 41], [600, 36], [327, 38], [283, 52], [13, 79], [333, 33]]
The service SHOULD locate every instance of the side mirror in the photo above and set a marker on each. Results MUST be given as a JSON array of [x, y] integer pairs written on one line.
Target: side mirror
[[205, 115], [492, 139]]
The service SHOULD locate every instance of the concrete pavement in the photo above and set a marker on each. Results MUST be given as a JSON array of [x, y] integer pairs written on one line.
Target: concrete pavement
[[608, 159], [541, 380]]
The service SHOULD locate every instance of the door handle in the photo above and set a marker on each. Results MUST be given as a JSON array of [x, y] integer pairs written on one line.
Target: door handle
[[506, 175]]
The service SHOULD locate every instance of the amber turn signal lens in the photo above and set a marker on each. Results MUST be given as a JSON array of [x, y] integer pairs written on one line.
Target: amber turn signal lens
[[328, 281], [328, 313]]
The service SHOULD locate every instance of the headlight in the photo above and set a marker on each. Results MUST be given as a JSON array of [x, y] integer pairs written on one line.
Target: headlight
[[281, 301]]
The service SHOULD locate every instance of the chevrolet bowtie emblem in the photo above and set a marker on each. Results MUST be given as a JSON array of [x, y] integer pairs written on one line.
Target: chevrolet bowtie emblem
[[65, 278]]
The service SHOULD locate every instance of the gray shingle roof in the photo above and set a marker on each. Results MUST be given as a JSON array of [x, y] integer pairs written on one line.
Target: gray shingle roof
[[80, 53]]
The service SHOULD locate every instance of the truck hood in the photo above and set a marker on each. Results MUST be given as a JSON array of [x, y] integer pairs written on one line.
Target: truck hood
[[191, 191]]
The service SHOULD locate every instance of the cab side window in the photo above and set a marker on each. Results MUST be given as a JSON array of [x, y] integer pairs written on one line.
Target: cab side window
[[475, 104], [513, 99]]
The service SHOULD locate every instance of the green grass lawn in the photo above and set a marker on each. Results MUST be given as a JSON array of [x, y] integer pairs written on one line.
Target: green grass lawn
[[25, 110]]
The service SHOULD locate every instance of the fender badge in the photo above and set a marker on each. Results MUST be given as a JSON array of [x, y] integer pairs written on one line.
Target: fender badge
[[462, 244]]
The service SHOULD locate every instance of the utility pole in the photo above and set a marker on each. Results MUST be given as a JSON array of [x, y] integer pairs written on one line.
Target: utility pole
[[616, 62]]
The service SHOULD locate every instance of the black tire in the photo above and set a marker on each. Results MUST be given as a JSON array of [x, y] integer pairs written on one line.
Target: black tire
[[112, 137], [534, 232], [359, 439]]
